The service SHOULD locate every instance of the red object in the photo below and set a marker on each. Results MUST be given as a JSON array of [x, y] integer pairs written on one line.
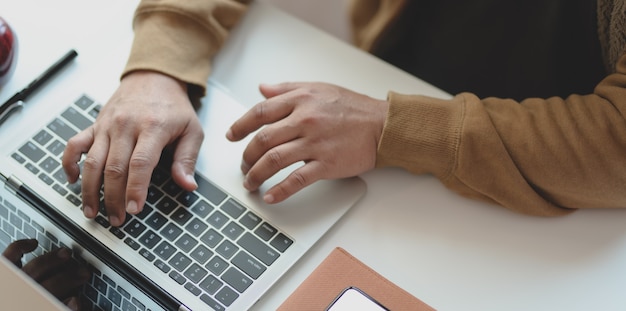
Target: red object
[[8, 51]]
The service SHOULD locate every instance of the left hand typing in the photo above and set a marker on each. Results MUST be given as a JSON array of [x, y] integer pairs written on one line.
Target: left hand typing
[[334, 131]]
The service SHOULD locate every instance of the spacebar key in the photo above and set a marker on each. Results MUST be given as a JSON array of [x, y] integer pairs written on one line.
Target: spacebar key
[[258, 248]]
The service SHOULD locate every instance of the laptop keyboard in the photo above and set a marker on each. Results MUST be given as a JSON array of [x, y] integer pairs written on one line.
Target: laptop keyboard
[[204, 240]]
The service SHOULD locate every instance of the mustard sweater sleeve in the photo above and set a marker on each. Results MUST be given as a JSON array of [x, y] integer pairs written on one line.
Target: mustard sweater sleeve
[[179, 38], [539, 156]]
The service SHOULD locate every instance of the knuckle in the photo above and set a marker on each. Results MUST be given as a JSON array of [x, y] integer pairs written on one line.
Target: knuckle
[[275, 159], [299, 179], [140, 161], [114, 171], [91, 163]]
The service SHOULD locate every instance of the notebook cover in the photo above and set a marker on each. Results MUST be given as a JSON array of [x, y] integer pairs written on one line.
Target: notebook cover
[[341, 270]]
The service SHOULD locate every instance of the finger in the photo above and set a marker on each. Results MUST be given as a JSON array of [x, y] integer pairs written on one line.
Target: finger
[[74, 150], [294, 182], [142, 163], [17, 249], [266, 139], [116, 171], [91, 182], [186, 156], [272, 161], [47, 264], [265, 112]]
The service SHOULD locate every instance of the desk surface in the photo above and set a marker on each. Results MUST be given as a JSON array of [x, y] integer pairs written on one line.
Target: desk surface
[[453, 253]]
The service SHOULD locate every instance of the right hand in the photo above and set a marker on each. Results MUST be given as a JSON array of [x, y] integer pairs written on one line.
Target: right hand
[[147, 112]]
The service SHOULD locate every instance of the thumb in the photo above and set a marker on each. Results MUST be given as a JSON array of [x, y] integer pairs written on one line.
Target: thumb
[[271, 90]]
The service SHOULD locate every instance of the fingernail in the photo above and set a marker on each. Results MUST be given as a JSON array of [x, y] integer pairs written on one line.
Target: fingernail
[[244, 167], [131, 208], [115, 222], [229, 134], [268, 198], [190, 179], [64, 253], [87, 210]]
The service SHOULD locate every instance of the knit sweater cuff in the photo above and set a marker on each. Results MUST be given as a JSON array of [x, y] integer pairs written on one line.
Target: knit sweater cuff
[[421, 134], [173, 45]]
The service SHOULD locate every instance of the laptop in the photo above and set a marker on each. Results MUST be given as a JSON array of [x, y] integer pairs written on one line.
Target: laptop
[[219, 247]]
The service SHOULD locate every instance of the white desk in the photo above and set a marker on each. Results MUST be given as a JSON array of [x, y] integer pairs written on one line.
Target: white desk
[[453, 253]]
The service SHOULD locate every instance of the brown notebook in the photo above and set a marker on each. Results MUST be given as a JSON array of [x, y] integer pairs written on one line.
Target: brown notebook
[[341, 270]]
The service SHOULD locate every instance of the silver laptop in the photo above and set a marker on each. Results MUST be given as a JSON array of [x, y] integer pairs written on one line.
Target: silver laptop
[[219, 247]]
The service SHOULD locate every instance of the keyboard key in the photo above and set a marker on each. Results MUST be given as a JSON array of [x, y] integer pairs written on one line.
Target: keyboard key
[[159, 176], [236, 279], [217, 219], [149, 239], [196, 227], [186, 243], [249, 265], [46, 179], [211, 238], [56, 147], [233, 208], [156, 221], [76, 118], [171, 231], [195, 273], [211, 284], [18, 158], [84, 102], [154, 194], [162, 266], [265, 231], [172, 188], [42, 138], [187, 199], [32, 152], [217, 265], [232, 230], [212, 303], [201, 254], [166, 205], [281, 242], [202, 209], [49, 165], [227, 249], [62, 129], [177, 277], [209, 191], [130, 242], [117, 232], [181, 216], [250, 220], [226, 296], [147, 254], [134, 228], [193, 289], [258, 248], [164, 250], [180, 262], [59, 189]]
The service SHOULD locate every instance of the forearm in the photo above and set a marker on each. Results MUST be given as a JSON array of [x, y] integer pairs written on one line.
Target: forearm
[[539, 156], [180, 38]]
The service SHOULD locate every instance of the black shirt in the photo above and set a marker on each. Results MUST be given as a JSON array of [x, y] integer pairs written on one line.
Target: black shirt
[[502, 48]]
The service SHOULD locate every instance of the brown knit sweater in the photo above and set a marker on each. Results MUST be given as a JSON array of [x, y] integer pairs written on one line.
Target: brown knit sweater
[[538, 156]]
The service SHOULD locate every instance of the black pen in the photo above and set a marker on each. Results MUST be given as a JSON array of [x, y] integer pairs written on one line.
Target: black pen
[[17, 101]]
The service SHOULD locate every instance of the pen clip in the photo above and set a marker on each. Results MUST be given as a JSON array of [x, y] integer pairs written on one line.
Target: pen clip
[[7, 110]]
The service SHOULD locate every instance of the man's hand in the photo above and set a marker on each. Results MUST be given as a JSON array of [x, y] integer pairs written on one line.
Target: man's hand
[[56, 271], [333, 130], [148, 112]]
